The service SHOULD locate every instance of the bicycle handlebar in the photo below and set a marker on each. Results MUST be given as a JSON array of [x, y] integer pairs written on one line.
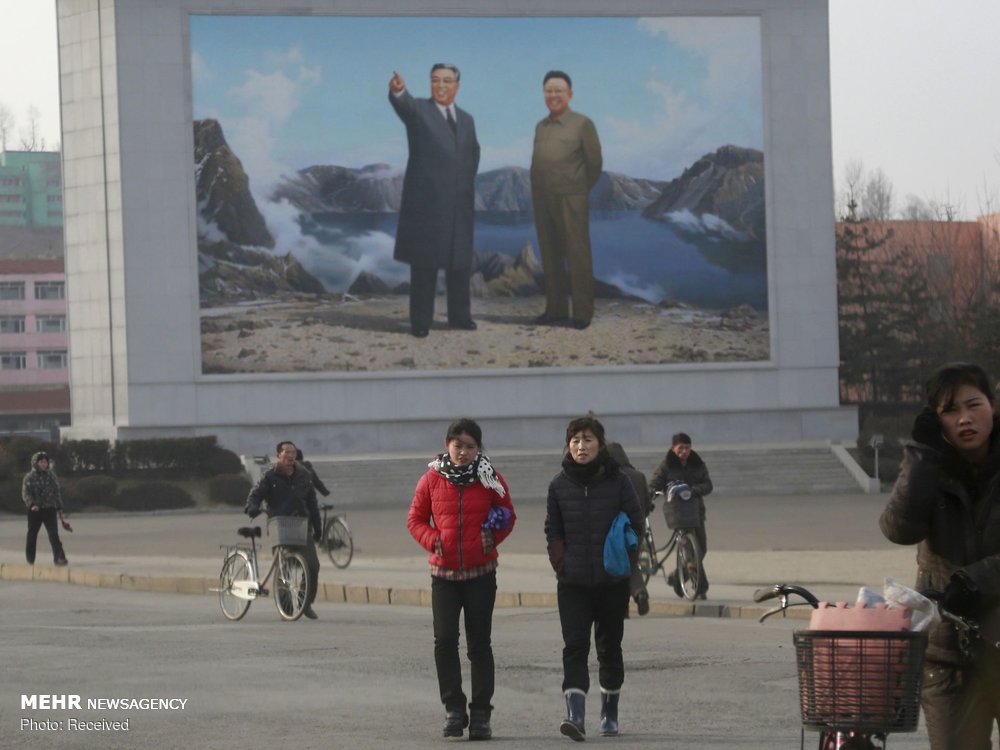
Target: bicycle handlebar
[[782, 590]]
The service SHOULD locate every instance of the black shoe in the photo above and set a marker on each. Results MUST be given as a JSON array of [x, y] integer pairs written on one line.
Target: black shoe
[[310, 612], [672, 580], [581, 324], [642, 603], [479, 725], [455, 723], [62, 561], [420, 333], [549, 320], [465, 325]]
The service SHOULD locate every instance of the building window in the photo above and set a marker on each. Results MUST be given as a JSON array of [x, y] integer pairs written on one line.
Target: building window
[[48, 324], [10, 199], [13, 360], [54, 198], [54, 360], [11, 181], [11, 324], [11, 290], [50, 290]]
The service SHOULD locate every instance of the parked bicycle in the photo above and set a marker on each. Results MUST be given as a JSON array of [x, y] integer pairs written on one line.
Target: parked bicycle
[[683, 516], [857, 686], [337, 539], [240, 582]]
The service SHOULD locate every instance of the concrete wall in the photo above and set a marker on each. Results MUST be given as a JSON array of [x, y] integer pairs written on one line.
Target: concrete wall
[[131, 261]]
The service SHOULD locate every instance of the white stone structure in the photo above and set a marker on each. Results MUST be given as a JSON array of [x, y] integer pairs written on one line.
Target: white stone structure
[[131, 263]]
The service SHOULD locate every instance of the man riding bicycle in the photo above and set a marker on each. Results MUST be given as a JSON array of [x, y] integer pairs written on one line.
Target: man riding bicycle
[[287, 489], [682, 464]]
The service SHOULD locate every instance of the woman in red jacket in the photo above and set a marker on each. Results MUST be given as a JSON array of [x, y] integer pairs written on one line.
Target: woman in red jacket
[[461, 511]]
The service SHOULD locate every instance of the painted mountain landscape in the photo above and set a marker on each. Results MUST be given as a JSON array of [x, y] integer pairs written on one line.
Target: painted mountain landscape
[[296, 270]]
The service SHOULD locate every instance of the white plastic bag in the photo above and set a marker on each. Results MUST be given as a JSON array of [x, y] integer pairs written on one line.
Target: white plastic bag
[[868, 598], [923, 612]]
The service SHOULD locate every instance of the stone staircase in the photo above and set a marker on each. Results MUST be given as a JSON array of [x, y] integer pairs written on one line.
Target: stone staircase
[[387, 481]]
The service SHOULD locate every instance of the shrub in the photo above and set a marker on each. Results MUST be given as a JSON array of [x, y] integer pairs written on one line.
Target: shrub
[[229, 489], [153, 496], [90, 456], [222, 461], [10, 496], [89, 491]]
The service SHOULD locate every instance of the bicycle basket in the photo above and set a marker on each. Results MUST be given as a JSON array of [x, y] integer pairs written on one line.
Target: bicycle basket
[[866, 681], [680, 507], [289, 530]]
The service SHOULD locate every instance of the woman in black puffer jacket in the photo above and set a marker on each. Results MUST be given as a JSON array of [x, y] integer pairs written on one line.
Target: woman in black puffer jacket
[[583, 502]]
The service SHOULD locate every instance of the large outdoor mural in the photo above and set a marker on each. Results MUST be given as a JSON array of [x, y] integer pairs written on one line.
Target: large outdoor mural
[[299, 161]]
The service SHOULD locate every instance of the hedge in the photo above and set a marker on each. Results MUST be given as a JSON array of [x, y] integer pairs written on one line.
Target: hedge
[[167, 458], [152, 496], [229, 489]]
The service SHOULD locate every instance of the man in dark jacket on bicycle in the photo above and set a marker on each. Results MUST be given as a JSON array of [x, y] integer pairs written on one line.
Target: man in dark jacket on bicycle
[[287, 489], [682, 464]]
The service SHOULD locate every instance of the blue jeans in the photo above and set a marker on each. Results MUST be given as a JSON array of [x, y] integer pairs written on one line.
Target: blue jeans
[[448, 599]]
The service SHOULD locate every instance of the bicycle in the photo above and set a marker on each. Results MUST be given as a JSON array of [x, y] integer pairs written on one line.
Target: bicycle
[[337, 539], [857, 686], [683, 516], [240, 582]]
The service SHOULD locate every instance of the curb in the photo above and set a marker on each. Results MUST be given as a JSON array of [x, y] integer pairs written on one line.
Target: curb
[[348, 593]]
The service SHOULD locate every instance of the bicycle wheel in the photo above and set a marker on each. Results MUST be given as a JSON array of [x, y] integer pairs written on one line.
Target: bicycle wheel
[[645, 558], [688, 565], [339, 543], [291, 585], [235, 568]]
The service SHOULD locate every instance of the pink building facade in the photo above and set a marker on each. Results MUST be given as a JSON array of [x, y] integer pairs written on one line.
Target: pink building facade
[[33, 329]]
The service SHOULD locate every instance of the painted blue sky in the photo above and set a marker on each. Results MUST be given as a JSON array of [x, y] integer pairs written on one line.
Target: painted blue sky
[[295, 91]]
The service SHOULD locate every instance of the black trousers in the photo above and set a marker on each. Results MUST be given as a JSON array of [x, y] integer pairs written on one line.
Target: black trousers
[[423, 285], [49, 517], [604, 608], [476, 598], [312, 569]]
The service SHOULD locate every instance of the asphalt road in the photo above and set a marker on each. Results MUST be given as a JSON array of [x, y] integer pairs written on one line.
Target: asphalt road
[[362, 677]]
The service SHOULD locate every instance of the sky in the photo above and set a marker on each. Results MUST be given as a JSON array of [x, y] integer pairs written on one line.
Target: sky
[[912, 91], [293, 92]]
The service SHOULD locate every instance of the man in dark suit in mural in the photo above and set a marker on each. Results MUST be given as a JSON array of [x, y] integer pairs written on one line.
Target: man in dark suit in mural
[[436, 215]]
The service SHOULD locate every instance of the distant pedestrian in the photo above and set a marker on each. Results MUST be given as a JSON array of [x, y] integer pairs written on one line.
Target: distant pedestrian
[[41, 495], [584, 501], [317, 482], [461, 511], [682, 464], [287, 489]]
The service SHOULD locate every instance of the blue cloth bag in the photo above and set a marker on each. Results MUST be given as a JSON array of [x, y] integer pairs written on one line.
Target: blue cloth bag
[[621, 540]]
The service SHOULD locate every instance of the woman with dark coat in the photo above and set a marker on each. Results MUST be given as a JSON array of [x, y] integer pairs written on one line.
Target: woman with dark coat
[[584, 500], [947, 501], [461, 511]]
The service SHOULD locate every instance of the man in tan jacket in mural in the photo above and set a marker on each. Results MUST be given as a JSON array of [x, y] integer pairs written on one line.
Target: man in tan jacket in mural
[[565, 165]]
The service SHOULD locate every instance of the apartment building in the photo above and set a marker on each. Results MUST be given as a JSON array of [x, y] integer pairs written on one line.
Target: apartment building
[[31, 189], [34, 359]]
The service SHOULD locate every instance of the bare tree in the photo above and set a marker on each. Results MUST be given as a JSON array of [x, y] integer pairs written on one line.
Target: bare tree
[[31, 138], [876, 202], [6, 125], [866, 196]]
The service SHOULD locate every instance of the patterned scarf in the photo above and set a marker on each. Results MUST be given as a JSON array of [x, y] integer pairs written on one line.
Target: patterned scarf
[[479, 469]]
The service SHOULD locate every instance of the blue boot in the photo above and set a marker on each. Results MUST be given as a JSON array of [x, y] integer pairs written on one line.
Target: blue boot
[[576, 708], [609, 713]]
